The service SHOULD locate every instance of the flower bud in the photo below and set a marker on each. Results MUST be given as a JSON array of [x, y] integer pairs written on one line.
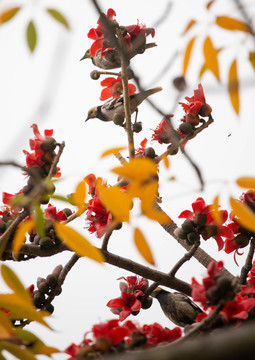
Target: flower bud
[[205, 110], [95, 75], [188, 226], [137, 127], [118, 119], [186, 128], [150, 153], [180, 83]]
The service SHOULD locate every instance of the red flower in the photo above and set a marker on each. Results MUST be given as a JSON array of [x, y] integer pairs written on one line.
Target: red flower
[[98, 217], [137, 34], [195, 102], [156, 334], [52, 213], [162, 132], [142, 148], [72, 350], [98, 34], [249, 289], [134, 283], [8, 198], [91, 181], [111, 331], [238, 308], [210, 227], [127, 303], [114, 88]]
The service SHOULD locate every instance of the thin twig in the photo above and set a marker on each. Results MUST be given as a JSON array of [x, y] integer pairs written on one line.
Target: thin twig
[[196, 168], [248, 263], [106, 240], [11, 163], [56, 160]]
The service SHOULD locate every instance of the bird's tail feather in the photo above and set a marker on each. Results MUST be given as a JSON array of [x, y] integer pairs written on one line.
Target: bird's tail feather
[[144, 94]]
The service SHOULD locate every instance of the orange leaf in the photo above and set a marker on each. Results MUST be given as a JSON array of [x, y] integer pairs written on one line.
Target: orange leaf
[[252, 58], [246, 182], [191, 23], [229, 23], [20, 234], [166, 161], [137, 169], [79, 196], [217, 216], [245, 215], [187, 54], [209, 4], [143, 247], [8, 14], [202, 71], [233, 86], [210, 54], [158, 216], [112, 151], [116, 201], [78, 243]]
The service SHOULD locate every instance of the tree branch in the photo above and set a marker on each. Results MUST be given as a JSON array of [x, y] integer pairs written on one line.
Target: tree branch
[[248, 263]]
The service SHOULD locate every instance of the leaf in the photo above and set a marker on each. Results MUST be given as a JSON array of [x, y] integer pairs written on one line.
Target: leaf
[[78, 243], [166, 161], [20, 234], [209, 4], [246, 182], [40, 222], [143, 246], [18, 351], [36, 345], [252, 58], [158, 216], [6, 326], [22, 309], [137, 169], [246, 216], [7, 15], [112, 151], [79, 197], [233, 86], [116, 201], [148, 195], [229, 23], [62, 198], [59, 17], [202, 71], [217, 216], [191, 23], [187, 54], [14, 283], [211, 60], [31, 36]]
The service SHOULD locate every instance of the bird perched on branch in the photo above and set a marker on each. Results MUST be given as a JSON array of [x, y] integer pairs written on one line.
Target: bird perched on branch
[[177, 307], [115, 108], [111, 59]]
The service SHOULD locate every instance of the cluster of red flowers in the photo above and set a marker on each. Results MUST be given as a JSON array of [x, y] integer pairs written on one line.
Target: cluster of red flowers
[[134, 37], [202, 222], [216, 287], [111, 336], [128, 302], [97, 216], [53, 214]]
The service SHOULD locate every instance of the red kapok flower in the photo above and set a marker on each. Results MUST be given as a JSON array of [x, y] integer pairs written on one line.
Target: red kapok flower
[[156, 334], [110, 331], [98, 33], [98, 217], [238, 308], [134, 283], [114, 88], [127, 303], [162, 132], [142, 148], [195, 103], [52, 213]]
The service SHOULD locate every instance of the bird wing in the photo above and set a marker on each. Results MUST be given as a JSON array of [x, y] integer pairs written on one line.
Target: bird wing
[[185, 298]]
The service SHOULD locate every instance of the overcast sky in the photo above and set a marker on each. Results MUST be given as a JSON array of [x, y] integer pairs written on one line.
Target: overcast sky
[[54, 90]]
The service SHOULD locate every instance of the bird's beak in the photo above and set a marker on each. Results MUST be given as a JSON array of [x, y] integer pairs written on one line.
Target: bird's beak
[[87, 119], [155, 292], [85, 56]]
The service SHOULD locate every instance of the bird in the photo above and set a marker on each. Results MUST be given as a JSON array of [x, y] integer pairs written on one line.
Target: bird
[[111, 59], [177, 307], [115, 107]]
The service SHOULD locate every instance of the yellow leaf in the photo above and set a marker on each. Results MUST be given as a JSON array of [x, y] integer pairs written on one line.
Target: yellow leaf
[[217, 216], [78, 243], [172, 178], [245, 215], [246, 182], [252, 58], [158, 216], [209, 4], [112, 151], [166, 161], [191, 23], [137, 169], [6, 326], [8, 14], [233, 86], [148, 195], [187, 54], [20, 234], [202, 71], [143, 246], [21, 309], [229, 23], [116, 201], [79, 197], [18, 351], [14, 283], [210, 54]]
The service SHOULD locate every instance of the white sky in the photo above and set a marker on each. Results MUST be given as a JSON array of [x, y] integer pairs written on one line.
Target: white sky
[[53, 89]]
